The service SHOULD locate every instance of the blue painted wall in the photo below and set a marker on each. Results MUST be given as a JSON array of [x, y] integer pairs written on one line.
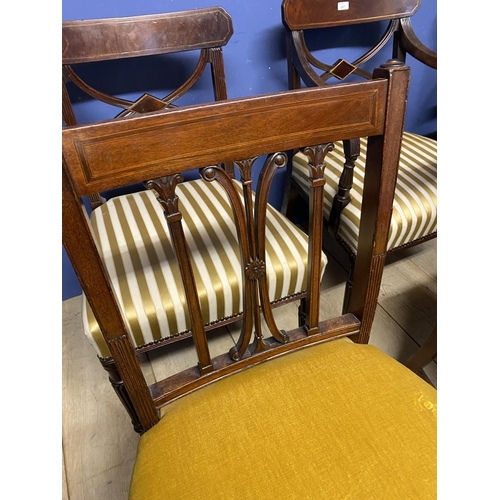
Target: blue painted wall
[[255, 63]]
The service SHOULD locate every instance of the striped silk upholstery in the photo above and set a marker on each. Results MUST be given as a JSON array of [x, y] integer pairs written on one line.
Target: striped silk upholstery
[[415, 202], [133, 237]]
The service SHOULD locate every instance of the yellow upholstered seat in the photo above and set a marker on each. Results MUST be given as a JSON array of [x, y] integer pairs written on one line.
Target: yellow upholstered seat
[[136, 248], [414, 213], [335, 421]]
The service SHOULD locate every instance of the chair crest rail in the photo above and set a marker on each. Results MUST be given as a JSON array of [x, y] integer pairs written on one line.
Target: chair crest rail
[[178, 141], [144, 35], [299, 15]]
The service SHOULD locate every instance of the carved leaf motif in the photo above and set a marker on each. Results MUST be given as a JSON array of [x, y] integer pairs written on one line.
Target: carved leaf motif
[[245, 168], [316, 155], [165, 190]]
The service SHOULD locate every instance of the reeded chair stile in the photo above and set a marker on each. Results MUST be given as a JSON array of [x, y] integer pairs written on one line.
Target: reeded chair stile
[[232, 424]]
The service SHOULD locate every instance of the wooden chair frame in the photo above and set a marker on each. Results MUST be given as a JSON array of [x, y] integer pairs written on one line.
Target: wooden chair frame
[[298, 16], [160, 145]]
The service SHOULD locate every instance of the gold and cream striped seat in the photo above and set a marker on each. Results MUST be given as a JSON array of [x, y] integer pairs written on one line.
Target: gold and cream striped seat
[[414, 213], [136, 249]]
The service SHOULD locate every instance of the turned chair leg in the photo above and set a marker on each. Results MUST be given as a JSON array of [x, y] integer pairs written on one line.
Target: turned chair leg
[[117, 384], [348, 290], [289, 199], [349, 282]]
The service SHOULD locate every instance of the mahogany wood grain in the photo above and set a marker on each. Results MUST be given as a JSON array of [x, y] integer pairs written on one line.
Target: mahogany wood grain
[[165, 188], [204, 30], [198, 136], [93, 40], [84, 256], [316, 156], [410, 42], [307, 14], [189, 380]]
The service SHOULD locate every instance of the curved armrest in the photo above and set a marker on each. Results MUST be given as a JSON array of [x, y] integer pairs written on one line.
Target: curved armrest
[[411, 43]]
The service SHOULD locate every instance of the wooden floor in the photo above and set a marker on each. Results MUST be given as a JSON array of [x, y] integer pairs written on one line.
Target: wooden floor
[[99, 444]]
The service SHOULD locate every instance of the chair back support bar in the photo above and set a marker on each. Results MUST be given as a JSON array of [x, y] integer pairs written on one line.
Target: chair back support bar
[[160, 145], [408, 42], [299, 14]]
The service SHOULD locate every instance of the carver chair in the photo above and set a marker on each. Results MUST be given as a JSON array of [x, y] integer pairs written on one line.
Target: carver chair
[[414, 213], [303, 413], [130, 228]]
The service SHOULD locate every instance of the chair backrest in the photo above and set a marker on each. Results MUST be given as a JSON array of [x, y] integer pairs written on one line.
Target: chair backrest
[[205, 30], [302, 15], [160, 145]]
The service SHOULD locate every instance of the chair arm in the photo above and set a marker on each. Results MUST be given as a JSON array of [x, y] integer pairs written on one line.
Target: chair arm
[[411, 43]]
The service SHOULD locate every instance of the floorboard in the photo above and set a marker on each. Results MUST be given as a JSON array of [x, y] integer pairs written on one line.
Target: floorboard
[[98, 439]]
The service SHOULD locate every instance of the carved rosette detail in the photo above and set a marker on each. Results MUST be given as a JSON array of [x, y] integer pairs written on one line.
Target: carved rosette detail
[[255, 269]]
